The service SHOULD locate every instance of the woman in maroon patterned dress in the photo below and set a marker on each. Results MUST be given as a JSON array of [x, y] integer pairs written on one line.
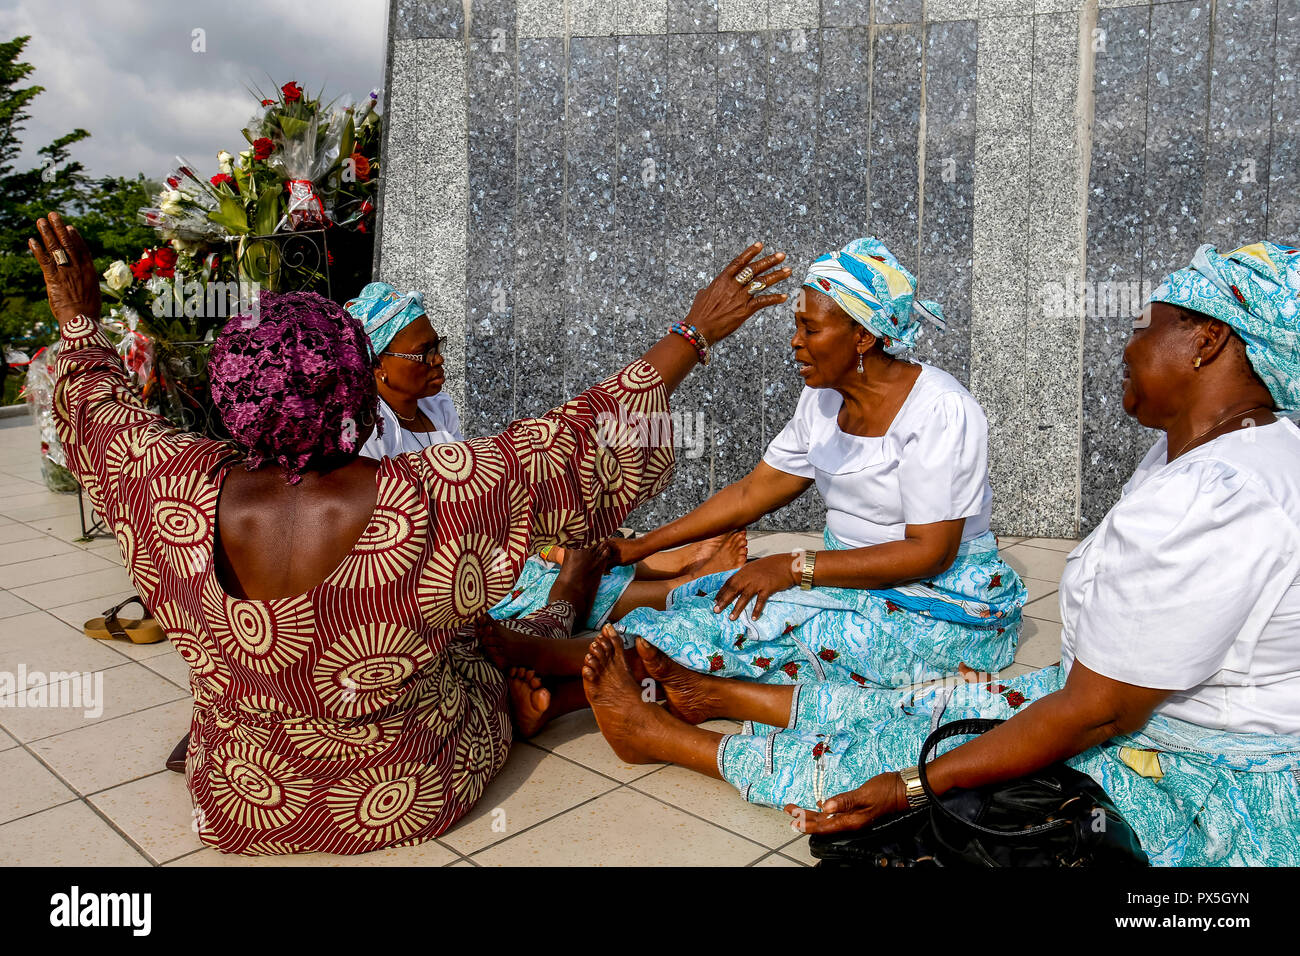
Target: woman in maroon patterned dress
[[339, 703]]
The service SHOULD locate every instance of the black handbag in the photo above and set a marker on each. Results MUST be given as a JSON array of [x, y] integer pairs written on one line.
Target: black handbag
[[1056, 816]]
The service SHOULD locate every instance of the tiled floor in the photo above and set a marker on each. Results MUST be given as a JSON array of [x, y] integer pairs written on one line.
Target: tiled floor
[[90, 790]]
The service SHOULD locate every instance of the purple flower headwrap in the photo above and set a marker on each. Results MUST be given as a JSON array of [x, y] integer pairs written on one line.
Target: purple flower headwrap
[[295, 383]]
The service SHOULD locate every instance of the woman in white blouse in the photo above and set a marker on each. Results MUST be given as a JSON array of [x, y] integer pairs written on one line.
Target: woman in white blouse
[[909, 585], [1179, 684]]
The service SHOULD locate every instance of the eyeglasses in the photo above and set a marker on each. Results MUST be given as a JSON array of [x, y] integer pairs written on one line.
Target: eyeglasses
[[426, 357]]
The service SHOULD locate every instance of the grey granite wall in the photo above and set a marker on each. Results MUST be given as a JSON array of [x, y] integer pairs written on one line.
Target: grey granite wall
[[562, 176]]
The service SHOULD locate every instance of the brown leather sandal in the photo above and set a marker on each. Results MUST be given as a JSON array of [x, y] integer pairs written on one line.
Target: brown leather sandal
[[144, 631], [176, 762]]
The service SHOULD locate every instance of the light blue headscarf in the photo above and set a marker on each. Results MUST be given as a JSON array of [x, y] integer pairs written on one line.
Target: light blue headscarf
[[871, 285], [1256, 291], [383, 312]]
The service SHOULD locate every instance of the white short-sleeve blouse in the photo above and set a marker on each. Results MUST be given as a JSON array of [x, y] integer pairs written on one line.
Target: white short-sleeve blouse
[[931, 465], [396, 440], [1191, 583]]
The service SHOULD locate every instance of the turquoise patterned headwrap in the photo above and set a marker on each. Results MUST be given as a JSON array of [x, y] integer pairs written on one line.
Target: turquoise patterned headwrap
[[383, 312], [868, 283], [1256, 291]]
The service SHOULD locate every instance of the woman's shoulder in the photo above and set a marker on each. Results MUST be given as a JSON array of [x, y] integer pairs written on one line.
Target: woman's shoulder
[[939, 400]]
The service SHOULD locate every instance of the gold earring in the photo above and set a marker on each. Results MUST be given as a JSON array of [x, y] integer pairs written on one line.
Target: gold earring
[[1197, 363]]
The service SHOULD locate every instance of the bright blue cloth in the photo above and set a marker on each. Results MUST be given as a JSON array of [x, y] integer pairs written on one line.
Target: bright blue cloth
[[1256, 291], [887, 638], [383, 312], [1224, 799], [532, 591], [875, 290]]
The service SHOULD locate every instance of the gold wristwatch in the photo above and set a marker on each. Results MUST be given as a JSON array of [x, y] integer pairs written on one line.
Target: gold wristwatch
[[806, 580], [915, 792]]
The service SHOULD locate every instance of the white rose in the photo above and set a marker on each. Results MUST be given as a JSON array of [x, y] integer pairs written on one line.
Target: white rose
[[170, 203], [118, 276], [225, 161]]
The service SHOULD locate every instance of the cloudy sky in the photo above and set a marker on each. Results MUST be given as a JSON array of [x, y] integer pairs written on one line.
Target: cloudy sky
[[127, 71]]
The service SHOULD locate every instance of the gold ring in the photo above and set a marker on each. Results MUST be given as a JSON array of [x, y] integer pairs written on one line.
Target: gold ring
[[60, 257], [755, 287], [744, 275]]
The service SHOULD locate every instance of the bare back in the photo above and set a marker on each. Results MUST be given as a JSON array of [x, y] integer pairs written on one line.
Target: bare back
[[276, 540]]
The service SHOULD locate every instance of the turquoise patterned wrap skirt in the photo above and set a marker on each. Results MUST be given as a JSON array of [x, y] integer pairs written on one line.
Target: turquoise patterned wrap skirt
[[1223, 799], [532, 591], [887, 638]]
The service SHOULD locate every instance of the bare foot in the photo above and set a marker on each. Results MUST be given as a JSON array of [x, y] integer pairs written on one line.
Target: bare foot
[[723, 553], [505, 647], [632, 726], [529, 701], [690, 695]]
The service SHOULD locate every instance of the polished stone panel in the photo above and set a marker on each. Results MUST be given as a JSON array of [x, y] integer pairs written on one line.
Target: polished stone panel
[[490, 346], [844, 136], [1284, 165], [898, 11], [1240, 121], [895, 130], [591, 267], [421, 19], [792, 14], [1178, 86], [846, 13], [540, 228], [1112, 442], [692, 16], [792, 213], [944, 265], [493, 19], [1049, 408], [999, 290], [539, 18], [593, 18], [742, 213], [738, 15], [690, 260], [422, 237]]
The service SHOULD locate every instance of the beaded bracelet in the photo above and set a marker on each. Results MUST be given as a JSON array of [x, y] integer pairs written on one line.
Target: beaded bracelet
[[693, 335]]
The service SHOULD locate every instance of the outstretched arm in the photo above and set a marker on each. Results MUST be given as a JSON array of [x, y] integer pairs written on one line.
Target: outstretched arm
[[739, 504], [1089, 710]]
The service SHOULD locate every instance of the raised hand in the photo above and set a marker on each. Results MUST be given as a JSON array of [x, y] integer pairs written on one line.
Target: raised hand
[[71, 282], [724, 304]]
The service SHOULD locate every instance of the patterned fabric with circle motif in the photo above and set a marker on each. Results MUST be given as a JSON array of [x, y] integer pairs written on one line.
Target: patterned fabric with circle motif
[[360, 714]]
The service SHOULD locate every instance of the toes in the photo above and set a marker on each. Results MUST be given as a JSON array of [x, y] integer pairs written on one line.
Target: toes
[[541, 699]]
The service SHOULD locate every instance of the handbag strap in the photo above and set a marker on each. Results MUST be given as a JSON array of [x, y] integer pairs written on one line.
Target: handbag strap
[[969, 728]]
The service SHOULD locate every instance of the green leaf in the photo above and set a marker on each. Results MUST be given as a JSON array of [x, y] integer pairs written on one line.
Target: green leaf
[[268, 208], [230, 215], [293, 128]]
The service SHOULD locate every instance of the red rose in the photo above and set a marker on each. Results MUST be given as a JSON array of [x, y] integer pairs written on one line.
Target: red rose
[[1015, 698], [827, 654], [819, 750], [715, 663], [164, 257], [173, 182], [143, 268], [292, 92], [268, 102], [361, 166], [223, 179], [762, 663], [859, 678], [792, 670], [263, 147]]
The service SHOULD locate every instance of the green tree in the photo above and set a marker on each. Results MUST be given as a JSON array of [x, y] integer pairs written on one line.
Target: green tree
[[58, 183]]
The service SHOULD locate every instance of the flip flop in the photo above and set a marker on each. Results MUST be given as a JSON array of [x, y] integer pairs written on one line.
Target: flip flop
[[143, 631]]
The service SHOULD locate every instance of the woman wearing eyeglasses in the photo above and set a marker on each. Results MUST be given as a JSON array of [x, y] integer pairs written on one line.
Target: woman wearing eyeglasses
[[408, 373]]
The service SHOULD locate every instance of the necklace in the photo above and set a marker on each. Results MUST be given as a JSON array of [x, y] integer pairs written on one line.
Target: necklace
[[403, 417], [1212, 428]]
